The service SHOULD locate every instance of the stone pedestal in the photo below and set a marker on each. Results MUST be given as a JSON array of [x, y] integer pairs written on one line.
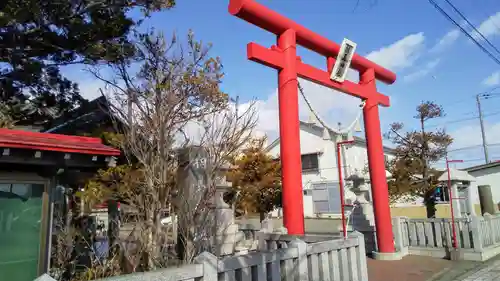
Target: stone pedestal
[[226, 231]]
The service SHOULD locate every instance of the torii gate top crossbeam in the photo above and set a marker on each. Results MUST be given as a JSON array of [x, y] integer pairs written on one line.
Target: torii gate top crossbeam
[[272, 21]]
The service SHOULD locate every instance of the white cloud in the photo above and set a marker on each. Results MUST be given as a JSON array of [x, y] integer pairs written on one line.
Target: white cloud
[[492, 80], [423, 71], [447, 40], [469, 137], [489, 27], [216, 128], [400, 54], [330, 105], [333, 106]]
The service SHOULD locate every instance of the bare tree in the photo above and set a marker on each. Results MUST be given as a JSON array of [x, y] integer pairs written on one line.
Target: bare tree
[[168, 100]]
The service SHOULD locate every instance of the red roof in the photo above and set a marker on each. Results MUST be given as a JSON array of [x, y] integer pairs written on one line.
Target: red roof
[[54, 142]]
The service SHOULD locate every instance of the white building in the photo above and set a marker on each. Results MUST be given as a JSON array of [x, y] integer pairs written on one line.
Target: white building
[[319, 167], [487, 174]]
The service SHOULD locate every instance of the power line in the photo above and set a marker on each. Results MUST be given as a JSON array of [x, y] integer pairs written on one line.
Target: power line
[[465, 32], [473, 27], [490, 96], [486, 95], [462, 120], [472, 147], [465, 160], [452, 122]]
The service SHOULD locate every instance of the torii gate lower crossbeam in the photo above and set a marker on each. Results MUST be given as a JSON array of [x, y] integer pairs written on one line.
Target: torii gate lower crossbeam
[[283, 58]]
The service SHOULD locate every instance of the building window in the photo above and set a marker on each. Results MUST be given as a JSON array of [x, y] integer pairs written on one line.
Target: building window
[[326, 197], [20, 229], [309, 162], [308, 192], [441, 194]]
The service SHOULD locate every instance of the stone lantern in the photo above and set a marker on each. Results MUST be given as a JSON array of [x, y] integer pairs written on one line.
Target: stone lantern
[[360, 187], [461, 191], [226, 231], [362, 213], [362, 217], [224, 215]]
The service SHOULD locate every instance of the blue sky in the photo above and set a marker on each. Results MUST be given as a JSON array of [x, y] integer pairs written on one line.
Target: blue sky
[[432, 59]]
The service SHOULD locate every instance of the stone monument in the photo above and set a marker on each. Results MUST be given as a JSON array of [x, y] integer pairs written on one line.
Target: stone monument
[[362, 218]]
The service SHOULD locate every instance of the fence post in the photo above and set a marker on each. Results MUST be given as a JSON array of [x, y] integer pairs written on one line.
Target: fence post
[[260, 236], [475, 223], [303, 269], [361, 256], [210, 264], [398, 236], [491, 230]]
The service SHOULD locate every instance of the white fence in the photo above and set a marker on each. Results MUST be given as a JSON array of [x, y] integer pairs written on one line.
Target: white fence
[[280, 257], [478, 238]]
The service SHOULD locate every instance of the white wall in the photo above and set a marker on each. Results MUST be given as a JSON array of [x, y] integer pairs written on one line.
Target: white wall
[[354, 157], [487, 176]]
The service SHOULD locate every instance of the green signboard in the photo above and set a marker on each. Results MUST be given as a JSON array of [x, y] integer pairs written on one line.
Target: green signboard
[[20, 226]]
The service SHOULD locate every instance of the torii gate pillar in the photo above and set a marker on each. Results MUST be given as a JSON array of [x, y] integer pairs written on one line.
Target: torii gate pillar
[[283, 58]]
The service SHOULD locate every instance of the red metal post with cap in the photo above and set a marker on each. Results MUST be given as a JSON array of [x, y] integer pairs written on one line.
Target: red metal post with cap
[[284, 59], [451, 195], [341, 184]]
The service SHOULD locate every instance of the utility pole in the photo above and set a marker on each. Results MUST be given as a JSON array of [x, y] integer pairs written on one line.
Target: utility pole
[[483, 134]]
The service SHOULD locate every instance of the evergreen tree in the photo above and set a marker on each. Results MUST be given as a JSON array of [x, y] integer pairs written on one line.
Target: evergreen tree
[[39, 36], [416, 152]]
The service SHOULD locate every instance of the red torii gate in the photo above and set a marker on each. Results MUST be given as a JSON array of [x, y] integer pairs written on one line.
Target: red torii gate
[[283, 58]]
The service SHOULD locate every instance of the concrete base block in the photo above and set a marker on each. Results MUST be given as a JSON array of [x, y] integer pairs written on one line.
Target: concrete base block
[[456, 255], [387, 256]]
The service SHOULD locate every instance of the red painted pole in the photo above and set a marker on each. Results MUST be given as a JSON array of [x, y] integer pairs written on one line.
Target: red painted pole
[[383, 224], [291, 165], [267, 19], [341, 185], [453, 229], [451, 205]]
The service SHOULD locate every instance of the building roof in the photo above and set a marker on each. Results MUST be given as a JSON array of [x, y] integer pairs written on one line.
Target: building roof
[[483, 166], [90, 113], [357, 140], [456, 175], [54, 142]]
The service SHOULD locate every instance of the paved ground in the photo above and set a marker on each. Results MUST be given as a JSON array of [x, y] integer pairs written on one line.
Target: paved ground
[[410, 268], [487, 271]]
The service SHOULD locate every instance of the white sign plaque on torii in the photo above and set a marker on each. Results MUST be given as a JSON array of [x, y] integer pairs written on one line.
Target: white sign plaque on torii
[[343, 61]]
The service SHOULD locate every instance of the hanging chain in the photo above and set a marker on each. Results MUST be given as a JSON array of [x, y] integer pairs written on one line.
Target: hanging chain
[[339, 132]]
